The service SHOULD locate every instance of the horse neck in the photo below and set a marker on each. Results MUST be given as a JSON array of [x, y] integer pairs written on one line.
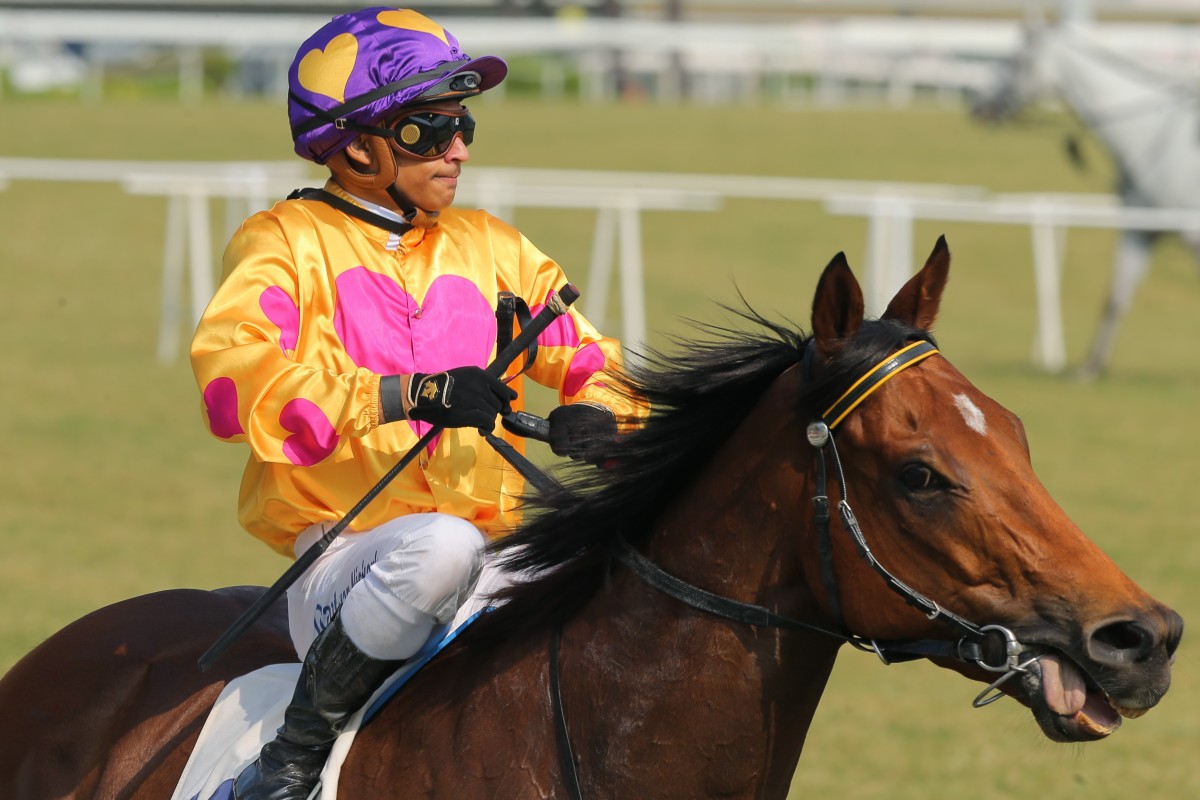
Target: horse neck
[[1148, 128], [740, 532], [744, 528]]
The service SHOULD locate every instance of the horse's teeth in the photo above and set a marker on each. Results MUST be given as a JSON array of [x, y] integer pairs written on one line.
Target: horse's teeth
[[1127, 713]]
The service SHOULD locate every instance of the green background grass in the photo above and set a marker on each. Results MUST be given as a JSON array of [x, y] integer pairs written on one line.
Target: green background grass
[[110, 487]]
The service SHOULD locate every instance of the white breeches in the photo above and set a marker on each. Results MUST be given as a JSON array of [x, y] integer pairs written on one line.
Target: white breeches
[[392, 584]]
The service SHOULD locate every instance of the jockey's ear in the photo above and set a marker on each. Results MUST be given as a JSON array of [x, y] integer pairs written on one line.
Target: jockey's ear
[[366, 164], [360, 156]]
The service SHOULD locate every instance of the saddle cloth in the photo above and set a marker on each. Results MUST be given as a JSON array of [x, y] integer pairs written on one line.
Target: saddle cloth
[[250, 709]]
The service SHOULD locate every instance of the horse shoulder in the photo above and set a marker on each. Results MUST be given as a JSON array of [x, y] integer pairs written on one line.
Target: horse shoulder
[[472, 723]]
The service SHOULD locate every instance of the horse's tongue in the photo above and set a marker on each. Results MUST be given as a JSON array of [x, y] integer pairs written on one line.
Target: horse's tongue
[[1062, 686]]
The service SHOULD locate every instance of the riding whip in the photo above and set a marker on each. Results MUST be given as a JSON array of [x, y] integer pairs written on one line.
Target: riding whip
[[555, 307]]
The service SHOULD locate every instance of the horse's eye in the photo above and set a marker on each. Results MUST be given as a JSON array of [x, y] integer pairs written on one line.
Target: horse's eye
[[918, 477]]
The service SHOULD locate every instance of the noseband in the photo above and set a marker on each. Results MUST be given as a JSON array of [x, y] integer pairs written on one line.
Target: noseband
[[969, 647]]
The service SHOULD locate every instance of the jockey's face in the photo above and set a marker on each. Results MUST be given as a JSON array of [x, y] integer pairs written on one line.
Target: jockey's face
[[430, 183], [427, 183]]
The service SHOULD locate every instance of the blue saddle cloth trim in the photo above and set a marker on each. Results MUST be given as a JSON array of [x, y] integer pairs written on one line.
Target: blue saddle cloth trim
[[435, 644]]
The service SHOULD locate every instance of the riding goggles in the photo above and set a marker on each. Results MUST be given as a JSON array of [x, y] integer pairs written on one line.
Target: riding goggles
[[427, 135]]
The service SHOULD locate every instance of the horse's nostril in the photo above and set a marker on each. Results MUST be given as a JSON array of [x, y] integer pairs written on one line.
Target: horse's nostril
[[1174, 633], [1121, 642]]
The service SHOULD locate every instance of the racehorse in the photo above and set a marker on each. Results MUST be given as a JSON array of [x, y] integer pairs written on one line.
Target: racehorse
[[1147, 120], [675, 616]]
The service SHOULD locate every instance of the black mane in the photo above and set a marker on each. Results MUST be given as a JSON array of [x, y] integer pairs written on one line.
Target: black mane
[[698, 396]]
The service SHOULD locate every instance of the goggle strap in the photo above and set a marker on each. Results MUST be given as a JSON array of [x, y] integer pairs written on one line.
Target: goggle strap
[[336, 115], [341, 124]]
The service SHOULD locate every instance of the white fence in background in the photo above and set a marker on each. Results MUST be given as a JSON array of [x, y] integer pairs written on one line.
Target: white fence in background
[[246, 186], [800, 55], [711, 53], [620, 197], [619, 200], [889, 241], [618, 231], [821, 58]]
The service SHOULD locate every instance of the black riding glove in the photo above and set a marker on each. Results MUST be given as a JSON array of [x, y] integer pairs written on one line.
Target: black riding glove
[[583, 431], [463, 397]]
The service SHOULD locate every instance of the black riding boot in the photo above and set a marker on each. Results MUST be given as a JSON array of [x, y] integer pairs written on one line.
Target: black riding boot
[[335, 681]]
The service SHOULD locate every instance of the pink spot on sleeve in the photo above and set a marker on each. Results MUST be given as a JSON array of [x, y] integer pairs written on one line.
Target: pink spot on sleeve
[[313, 436], [280, 309], [587, 362], [561, 332], [221, 407]]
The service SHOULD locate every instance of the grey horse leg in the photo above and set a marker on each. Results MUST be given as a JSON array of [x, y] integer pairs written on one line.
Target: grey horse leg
[[1129, 268]]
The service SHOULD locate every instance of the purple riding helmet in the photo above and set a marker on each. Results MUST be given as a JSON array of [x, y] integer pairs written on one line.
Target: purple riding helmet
[[359, 66]]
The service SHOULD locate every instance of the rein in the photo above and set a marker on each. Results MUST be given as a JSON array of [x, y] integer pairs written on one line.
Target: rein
[[969, 647]]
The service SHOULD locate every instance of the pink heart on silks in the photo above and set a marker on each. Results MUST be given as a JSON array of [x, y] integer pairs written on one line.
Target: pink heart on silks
[[385, 330], [562, 333], [221, 406], [283, 312], [313, 435]]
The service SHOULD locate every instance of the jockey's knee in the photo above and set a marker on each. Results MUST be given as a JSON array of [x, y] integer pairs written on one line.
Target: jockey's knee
[[437, 570]]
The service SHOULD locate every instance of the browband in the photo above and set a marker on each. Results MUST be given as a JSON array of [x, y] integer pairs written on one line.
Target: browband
[[893, 365]]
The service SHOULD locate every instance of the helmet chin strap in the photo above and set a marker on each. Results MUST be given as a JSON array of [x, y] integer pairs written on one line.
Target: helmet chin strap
[[382, 178], [417, 217]]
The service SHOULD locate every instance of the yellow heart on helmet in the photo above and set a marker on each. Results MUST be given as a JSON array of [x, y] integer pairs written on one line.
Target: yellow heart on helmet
[[411, 21], [327, 71]]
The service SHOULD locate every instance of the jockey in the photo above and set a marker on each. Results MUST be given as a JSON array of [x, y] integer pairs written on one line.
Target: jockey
[[351, 320]]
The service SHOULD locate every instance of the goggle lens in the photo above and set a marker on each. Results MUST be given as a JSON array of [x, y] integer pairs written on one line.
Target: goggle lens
[[429, 134]]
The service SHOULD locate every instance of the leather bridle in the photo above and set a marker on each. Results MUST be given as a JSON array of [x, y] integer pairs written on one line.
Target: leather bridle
[[968, 647]]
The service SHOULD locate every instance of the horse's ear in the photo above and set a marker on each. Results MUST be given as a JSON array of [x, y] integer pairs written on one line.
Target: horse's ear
[[917, 303], [837, 309]]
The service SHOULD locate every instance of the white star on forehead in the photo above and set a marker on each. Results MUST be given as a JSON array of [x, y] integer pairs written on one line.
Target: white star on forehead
[[971, 414]]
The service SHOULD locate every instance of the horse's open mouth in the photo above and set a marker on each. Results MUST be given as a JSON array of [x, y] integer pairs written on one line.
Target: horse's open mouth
[[1068, 704]]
